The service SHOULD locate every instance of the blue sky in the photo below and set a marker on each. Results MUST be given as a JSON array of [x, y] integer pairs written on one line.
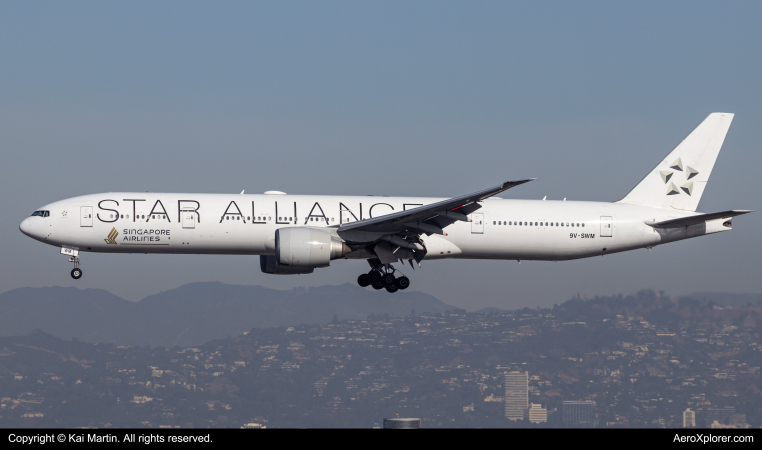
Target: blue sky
[[387, 98]]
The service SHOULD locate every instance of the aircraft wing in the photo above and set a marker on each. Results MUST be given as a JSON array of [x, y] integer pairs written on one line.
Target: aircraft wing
[[692, 220], [430, 219]]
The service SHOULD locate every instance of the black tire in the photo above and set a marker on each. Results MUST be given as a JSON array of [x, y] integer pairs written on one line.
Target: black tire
[[392, 287], [403, 282], [363, 280], [76, 273], [388, 279], [374, 275], [378, 284]]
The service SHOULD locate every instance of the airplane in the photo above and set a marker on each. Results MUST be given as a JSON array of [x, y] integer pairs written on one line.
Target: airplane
[[295, 234]]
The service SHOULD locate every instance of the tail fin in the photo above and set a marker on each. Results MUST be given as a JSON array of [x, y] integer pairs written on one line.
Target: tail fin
[[680, 178]]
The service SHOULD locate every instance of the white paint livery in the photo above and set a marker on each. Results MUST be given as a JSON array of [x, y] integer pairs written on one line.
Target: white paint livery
[[295, 234]]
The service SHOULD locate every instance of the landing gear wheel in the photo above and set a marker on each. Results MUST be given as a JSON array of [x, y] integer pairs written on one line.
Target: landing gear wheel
[[363, 280], [378, 284], [403, 283], [374, 275], [388, 279], [392, 287], [76, 273]]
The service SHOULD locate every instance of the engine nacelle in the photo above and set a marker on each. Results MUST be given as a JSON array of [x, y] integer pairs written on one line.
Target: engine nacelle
[[303, 247], [268, 265]]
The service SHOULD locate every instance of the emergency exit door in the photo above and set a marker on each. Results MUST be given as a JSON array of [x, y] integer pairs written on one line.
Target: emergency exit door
[[607, 226], [86, 216], [477, 223]]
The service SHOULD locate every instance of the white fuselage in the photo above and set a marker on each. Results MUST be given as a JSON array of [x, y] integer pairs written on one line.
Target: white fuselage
[[246, 224]]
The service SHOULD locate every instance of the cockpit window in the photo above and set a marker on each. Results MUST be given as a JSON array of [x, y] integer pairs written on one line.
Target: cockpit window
[[41, 213]]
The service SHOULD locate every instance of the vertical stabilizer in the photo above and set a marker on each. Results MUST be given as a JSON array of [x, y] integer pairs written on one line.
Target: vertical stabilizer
[[680, 178]]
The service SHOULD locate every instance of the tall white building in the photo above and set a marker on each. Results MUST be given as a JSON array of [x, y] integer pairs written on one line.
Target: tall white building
[[689, 418], [538, 414], [516, 395]]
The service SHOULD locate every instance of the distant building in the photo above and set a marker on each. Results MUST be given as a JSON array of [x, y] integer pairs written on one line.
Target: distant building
[[689, 418], [578, 413], [140, 399], [254, 426], [402, 423], [516, 395], [492, 398], [538, 414], [738, 421], [720, 415], [717, 424]]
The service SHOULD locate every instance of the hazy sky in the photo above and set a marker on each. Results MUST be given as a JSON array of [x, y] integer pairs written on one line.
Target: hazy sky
[[387, 98]]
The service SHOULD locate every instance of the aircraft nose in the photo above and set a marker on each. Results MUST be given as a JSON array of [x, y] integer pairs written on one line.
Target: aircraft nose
[[25, 227]]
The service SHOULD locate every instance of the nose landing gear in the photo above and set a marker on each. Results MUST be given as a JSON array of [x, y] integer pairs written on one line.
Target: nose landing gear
[[76, 272], [383, 277]]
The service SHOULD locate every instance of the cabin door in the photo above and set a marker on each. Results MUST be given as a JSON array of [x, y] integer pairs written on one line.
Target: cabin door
[[189, 219], [607, 226], [477, 223], [86, 216]]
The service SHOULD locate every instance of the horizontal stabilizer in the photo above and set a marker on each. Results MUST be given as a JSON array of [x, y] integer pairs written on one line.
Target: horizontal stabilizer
[[692, 220]]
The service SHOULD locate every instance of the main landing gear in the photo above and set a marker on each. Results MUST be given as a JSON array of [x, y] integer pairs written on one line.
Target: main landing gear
[[76, 272], [382, 277]]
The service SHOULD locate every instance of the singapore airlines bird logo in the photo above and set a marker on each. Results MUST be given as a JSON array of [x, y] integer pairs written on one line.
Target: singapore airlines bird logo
[[112, 236]]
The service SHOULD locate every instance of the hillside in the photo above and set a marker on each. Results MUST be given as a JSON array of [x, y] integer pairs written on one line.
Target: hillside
[[193, 313]]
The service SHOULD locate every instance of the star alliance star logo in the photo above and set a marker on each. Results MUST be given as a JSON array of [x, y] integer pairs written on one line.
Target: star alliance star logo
[[678, 166], [112, 236]]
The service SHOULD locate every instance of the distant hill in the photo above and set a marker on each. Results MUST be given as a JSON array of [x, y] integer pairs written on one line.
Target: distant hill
[[726, 299], [193, 313], [490, 310]]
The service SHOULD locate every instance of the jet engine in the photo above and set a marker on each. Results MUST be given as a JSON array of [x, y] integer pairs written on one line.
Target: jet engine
[[268, 265], [307, 248]]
